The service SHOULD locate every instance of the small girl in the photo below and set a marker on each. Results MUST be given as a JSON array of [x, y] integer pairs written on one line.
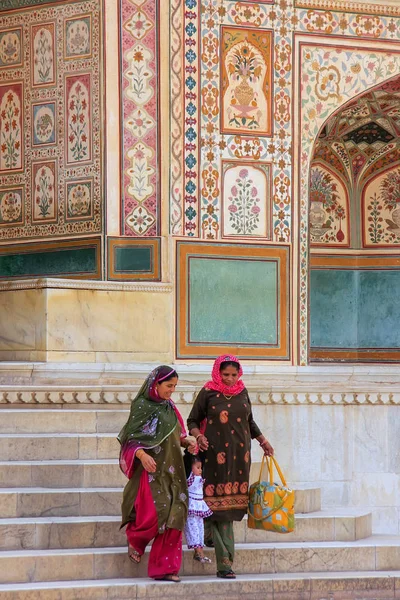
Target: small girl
[[198, 509]]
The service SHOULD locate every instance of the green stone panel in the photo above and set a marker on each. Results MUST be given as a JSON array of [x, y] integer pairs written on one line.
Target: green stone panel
[[52, 263], [333, 308], [355, 309], [134, 259], [233, 301], [379, 309]]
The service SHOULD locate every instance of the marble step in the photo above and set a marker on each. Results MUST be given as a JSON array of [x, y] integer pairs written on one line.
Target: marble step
[[98, 531], [88, 501], [62, 421], [106, 473], [60, 446], [281, 586], [380, 553], [62, 473]]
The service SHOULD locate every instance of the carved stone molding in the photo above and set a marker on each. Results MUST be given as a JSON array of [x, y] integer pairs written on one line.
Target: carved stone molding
[[73, 284], [120, 395]]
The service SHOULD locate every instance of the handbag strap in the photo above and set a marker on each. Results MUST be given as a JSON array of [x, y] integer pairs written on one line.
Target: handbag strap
[[270, 464]]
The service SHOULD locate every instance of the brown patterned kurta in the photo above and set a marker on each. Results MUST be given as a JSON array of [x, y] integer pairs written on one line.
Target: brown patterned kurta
[[226, 463]]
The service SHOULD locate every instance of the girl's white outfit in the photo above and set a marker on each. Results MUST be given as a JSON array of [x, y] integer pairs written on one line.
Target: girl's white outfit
[[198, 510]]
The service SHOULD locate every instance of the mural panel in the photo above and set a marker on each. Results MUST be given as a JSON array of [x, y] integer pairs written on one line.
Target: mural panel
[[246, 81], [246, 199], [43, 53], [11, 44], [329, 209], [50, 119], [381, 210], [44, 186], [11, 127]]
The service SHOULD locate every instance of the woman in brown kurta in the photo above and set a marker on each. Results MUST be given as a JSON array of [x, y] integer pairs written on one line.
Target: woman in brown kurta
[[222, 422]]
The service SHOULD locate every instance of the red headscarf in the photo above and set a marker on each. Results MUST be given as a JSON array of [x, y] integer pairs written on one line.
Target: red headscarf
[[217, 384]]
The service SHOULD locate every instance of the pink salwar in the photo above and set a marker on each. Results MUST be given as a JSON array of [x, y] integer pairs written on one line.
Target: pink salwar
[[166, 551]]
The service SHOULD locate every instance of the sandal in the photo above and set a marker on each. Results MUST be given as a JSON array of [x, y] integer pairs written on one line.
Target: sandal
[[134, 555], [202, 559], [226, 574], [174, 578]]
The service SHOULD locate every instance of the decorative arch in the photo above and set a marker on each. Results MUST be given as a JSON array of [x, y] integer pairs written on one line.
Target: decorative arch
[[330, 76]]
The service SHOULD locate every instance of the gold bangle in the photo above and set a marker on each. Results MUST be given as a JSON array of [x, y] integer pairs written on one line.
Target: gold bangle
[[197, 436], [141, 453]]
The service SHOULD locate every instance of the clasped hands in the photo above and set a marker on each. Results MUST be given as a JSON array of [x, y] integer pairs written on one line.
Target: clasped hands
[[148, 462]]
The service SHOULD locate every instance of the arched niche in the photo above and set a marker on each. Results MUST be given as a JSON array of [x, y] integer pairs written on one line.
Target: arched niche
[[355, 270]]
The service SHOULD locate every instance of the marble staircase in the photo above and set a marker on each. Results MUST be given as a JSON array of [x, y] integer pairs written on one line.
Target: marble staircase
[[60, 494]]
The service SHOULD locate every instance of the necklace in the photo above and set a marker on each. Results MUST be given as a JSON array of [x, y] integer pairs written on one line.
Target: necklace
[[228, 397]]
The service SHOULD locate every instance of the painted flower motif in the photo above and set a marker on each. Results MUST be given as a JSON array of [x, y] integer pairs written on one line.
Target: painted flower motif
[[224, 416], [220, 489], [244, 212], [244, 487], [221, 458], [209, 491]]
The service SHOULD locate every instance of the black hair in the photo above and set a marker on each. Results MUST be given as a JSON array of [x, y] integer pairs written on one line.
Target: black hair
[[189, 460], [229, 363], [168, 376]]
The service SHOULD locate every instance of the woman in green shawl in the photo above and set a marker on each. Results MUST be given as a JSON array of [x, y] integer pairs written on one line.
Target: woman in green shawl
[[154, 504]]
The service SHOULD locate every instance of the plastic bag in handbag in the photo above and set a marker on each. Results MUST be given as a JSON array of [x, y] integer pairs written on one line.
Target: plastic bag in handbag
[[271, 506]]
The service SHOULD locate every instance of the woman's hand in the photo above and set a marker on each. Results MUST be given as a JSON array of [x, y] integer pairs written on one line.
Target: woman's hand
[[266, 446], [148, 462], [202, 442], [190, 443]]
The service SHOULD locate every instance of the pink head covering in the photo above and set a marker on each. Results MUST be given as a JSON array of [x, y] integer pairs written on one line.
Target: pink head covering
[[217, 384]]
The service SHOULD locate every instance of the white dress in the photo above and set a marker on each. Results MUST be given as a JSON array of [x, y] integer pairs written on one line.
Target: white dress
[[198, 510]]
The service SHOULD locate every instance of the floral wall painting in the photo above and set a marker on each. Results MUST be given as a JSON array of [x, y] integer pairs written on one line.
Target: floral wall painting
[[246, 200], [51, 117], [78, 121], [44, 124], [246, 81], [11, 48], [78, 37], [11, 120], [79, 199], [44, 191], [11, 206], [43, 53], [140, 168], [329, 209], [381, 210]]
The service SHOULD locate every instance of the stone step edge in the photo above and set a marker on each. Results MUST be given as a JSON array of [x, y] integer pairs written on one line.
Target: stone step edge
[[372, 541], [345, 513], [195, 579]]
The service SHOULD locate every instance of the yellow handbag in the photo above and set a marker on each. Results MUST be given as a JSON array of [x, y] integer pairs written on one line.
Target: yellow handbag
[[271, 506]]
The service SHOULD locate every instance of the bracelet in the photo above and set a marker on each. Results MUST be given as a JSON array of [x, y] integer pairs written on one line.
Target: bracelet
[[141, 453], [197, 436]]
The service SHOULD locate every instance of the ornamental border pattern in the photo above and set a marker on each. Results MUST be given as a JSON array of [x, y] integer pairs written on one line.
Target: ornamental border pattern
[[140, 115], [34, 395], [354, 7]]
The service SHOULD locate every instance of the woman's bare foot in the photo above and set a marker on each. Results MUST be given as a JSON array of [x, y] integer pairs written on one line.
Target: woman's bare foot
[[134, 555]]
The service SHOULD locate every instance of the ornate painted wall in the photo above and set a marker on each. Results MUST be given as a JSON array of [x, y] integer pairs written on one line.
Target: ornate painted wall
[[260, 80], [50, 121]]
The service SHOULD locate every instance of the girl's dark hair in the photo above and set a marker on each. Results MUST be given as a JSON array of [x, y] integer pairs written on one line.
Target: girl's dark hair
[[168, 376], [189, 460], [229, 363]]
